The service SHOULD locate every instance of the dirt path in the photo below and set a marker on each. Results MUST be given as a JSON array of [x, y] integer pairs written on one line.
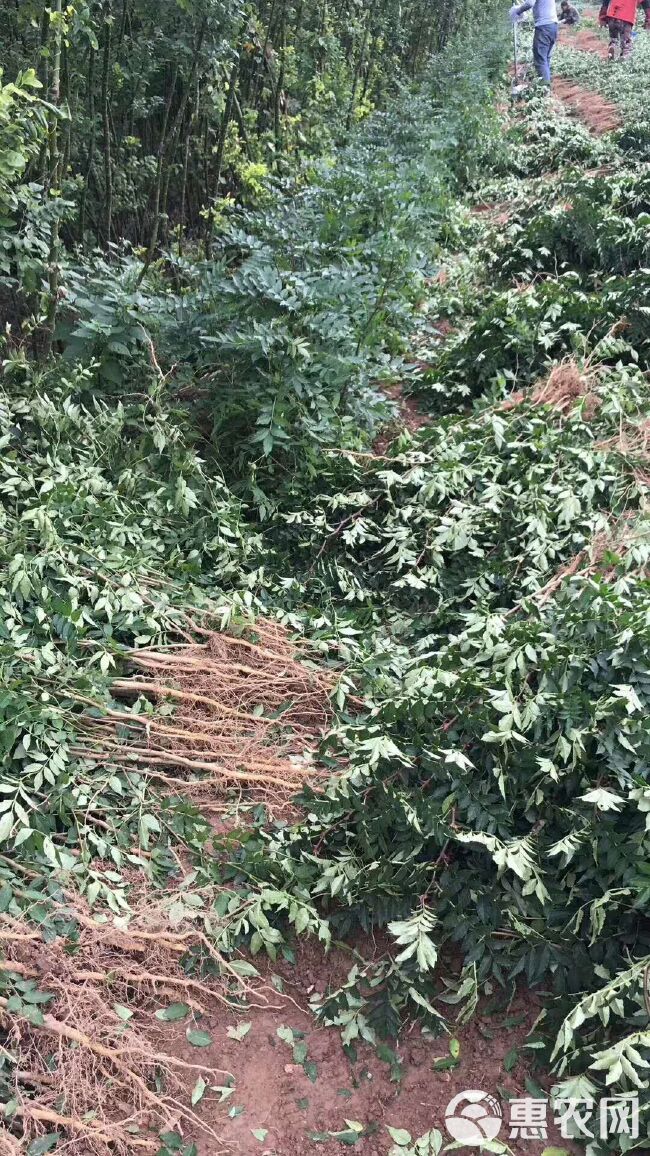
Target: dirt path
[[586, 39], [599, 115], [293, 1092]]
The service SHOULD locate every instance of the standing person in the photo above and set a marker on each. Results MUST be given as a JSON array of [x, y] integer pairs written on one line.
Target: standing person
[[645, 4], [621, 15], [545, 35]]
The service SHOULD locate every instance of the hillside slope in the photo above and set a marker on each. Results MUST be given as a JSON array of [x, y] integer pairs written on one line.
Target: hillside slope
[[280, 662]]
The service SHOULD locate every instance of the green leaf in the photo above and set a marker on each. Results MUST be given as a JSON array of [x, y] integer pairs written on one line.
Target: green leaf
[[310, 1068], [173, 1140], [198, 1090], [454, 1048], [243, 968], [38, 996], [236, 1110], [534, 1088], [225, 1091], [238, 1033], [436, 1141], [348, 1137], [33, 1015], [6, 827], [43, 1144], [300, 1053], [198, 1038], [260, 1134], [175, 1011], [510, 1059], [399, 1136]]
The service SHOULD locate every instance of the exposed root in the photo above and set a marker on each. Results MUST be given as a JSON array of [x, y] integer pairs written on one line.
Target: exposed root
[[632, 442], [107, 1134], [79, 1055], [205, 718], [565, 385], [9, 1146], [513, 400], [603, 556], [598, 114], [225, 711], [409, 416], [496, 212]]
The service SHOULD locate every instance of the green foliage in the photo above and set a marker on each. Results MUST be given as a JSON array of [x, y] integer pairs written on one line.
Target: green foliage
[[473, 765], [98, 503], [601, 225], [22, 131], [173, 108], [305, 303], [486, 582], [620, 86], [475, 515], [480, 585]]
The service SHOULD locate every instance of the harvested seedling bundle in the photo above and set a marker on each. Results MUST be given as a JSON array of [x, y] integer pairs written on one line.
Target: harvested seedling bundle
[[223, 711]]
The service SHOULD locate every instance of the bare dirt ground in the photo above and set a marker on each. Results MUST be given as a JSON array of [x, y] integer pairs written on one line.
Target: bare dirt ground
[[598, 114], [282, 1108], [409, 415], [586, 37]]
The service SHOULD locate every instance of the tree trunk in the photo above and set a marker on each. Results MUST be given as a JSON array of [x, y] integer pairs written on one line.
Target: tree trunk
[[91, 144], [168, 144], [357, 74], [241, 124], [54, 176], [279, 94], [221, 143], [186, 161], [106, 126]]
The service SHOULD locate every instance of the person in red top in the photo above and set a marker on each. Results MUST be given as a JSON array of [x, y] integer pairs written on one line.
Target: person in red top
[[621, 15]]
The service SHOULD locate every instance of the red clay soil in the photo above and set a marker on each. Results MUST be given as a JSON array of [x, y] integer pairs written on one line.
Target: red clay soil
[[586, 39], [409, 416], [496, 212], [292, 1110], [598, 114]]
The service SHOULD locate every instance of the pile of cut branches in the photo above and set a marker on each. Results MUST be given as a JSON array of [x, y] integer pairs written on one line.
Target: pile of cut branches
[[489, 579]]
